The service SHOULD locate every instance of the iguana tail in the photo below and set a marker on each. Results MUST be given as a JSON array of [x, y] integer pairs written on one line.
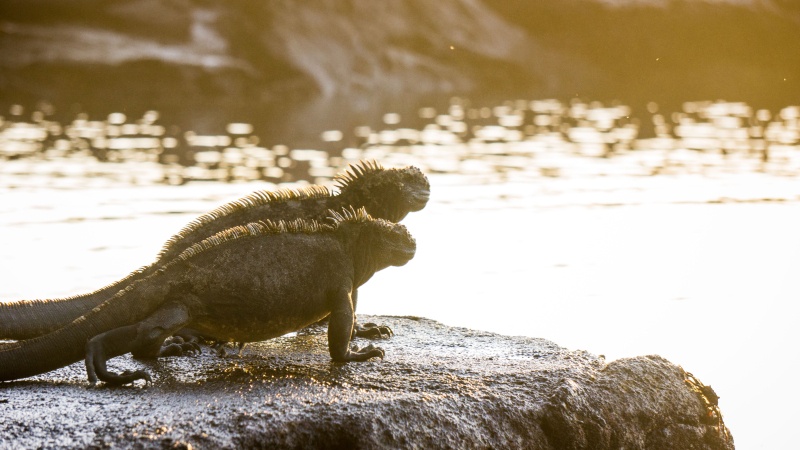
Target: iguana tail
[[26, 319], [67, 344]]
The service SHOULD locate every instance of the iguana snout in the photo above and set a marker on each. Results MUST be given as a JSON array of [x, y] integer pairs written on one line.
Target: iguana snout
[[400, 247], [415, 188], [418, 199]]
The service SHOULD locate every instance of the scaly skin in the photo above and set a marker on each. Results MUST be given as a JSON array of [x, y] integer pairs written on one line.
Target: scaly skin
[[385, 193], [248, 283]]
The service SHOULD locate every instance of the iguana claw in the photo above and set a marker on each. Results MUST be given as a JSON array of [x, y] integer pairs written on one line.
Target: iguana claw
[[182, 349], [127, 377], [373, 331], [222, 349], [365, 353]]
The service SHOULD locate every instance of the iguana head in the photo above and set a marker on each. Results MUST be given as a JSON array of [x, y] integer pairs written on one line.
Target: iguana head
[[394, 245], [386, 193], [387, 243], [413, 187]]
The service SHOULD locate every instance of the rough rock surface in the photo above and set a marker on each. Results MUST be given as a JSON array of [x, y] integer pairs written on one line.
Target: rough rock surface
[[439, 387]]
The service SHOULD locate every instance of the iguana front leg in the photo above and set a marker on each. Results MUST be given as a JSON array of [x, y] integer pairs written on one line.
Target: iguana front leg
[[340, 331], [367, 330], [143, 339]]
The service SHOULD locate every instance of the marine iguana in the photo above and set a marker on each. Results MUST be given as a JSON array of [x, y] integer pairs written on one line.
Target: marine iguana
[[248, 283], [385, 193]]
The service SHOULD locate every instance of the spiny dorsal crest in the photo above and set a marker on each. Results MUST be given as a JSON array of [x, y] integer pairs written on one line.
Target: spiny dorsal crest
[[349, 214], [356, 172], [260, 228], [257, 198]]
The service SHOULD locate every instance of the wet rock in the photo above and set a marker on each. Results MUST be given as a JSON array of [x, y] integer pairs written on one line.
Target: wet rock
[[439, 387]]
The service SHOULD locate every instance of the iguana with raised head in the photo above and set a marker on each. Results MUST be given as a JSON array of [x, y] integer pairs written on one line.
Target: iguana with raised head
[[385, 193], [247, 283]]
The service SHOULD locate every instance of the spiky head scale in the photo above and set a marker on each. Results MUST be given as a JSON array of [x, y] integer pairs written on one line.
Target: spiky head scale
[[356, 173], [386, 193]]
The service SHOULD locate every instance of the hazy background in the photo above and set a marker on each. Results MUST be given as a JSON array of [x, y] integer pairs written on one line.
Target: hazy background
[[294, 69]]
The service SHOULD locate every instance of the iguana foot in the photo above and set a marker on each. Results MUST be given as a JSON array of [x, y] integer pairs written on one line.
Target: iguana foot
[[356, 355], [314, 328], [189, 335], [144, 340], [372, 331], [98, 352], [127, 377], [176, 346], [222, 350], [96, 368]]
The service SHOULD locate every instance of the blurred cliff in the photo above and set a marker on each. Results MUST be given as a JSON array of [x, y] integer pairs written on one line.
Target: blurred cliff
[[293, 68]]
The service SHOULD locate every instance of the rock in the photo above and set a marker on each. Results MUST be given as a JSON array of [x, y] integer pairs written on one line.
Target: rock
[[439, 387]]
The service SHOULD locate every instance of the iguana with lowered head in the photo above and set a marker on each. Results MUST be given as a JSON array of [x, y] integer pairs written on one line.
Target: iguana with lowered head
[[385, 193], [247, 283]]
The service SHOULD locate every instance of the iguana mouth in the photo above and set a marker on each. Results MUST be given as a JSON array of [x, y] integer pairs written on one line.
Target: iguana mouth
[[403, 256], [419, 200]]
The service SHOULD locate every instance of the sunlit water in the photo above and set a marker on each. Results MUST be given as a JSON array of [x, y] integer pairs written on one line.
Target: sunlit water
[[686, 253]]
